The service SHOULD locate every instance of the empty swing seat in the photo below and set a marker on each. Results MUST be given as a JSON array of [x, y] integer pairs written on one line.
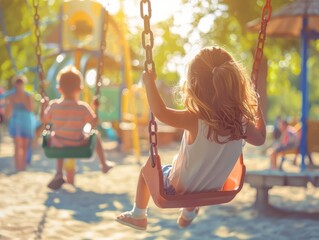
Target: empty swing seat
[[68, 152], [154, 179]]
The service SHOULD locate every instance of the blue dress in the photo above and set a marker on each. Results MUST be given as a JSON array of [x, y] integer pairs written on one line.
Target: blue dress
[[22, 122]]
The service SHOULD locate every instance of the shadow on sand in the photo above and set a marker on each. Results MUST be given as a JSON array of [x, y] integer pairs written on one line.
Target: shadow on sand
[[80, 202]]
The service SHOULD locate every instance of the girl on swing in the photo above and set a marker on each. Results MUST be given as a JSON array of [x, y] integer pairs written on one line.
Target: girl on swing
[[68, 116], [221, 112]]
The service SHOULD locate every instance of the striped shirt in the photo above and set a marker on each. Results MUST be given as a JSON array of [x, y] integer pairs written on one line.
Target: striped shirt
[[68, 118]]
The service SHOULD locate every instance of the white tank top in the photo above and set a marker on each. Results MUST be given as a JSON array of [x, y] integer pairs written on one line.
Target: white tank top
[[203, 165]]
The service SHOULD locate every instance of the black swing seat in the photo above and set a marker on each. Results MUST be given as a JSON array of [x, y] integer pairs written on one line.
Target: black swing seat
[[68, 152], [154, 179]]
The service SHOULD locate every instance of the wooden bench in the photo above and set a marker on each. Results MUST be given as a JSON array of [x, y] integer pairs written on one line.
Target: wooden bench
[[265, 180]]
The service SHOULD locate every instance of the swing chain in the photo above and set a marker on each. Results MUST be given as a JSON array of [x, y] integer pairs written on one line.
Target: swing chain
[[265, 17], [147, 35], [149, 65], [100, 66], [152, 130], [38, 49]]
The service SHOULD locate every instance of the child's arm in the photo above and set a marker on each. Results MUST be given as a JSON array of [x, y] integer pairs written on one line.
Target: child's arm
[[93, 112], [44, 110], [256, 132], [94, 122], [89, 113], [175, 118], [8, 107]]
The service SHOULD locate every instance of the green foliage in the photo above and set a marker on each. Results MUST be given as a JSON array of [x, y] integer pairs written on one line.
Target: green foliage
[[18, 20], [169, 48], [16, 23]]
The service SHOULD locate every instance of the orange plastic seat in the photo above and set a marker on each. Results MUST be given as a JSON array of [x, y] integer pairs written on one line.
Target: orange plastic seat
[[154, 179]]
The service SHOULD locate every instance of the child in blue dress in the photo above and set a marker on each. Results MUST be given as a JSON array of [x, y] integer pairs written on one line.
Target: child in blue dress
[[21, 121]]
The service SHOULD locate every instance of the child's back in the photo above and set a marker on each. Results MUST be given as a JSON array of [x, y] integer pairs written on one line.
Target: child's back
[[203, 165], [68, 118]]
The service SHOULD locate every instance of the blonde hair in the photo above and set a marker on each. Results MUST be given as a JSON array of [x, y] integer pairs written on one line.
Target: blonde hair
[[219, 92], [69, 80]]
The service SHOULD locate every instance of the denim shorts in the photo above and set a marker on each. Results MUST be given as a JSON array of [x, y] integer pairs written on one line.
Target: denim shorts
[[168, 188]]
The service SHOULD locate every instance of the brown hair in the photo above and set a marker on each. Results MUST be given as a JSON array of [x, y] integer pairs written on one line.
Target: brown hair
[[219, 92], [69, 80]]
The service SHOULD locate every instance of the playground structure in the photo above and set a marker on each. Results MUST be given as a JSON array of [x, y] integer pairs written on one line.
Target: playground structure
[[81, 32], [77, 35]]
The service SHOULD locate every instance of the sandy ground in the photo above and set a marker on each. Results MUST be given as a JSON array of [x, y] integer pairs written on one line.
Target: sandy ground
[[29, 210]]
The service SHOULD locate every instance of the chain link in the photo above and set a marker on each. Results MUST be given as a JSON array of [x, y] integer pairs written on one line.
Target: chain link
[[149, 65], [152, 129], [38, 49], [265, 17], [147, 35], [100, 66]]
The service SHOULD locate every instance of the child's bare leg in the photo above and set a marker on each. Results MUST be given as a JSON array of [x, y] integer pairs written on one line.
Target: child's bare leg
[[142, 193], [273, 160], [16, 153], [105, 165], [136, 218], [24, 153], [59, 167], [20, 154]]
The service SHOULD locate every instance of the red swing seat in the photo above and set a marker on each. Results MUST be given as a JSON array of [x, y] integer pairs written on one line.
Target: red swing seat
[[154, 179]]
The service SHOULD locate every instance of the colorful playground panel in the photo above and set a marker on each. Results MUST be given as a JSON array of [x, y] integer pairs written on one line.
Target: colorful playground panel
[[110, 104]]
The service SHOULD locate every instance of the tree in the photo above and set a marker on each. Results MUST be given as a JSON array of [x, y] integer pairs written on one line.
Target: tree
[[17, 20]]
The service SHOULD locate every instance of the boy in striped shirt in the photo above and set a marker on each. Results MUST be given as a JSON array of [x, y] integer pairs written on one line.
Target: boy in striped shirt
[[68, 116]]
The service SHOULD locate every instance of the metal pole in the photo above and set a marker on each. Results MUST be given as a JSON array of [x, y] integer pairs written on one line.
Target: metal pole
[[304, 89]]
